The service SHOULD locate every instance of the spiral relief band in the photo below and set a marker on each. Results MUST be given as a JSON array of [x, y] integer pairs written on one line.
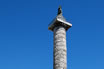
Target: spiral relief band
[[60, 55]]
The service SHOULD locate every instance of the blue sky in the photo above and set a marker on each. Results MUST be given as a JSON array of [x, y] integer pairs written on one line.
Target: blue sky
[[26, 42]]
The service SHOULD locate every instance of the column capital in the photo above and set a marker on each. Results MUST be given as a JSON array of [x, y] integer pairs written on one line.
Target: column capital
[[59, 20]]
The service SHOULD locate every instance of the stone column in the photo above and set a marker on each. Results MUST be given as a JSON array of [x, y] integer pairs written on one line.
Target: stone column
[[60, 58]]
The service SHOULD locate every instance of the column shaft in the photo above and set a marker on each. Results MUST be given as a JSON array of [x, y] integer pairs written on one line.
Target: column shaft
[[60, 58]]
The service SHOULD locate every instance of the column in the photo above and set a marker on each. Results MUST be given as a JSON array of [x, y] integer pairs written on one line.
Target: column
[[60, 58]]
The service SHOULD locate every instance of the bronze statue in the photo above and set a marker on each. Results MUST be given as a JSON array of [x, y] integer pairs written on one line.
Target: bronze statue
[[59, 10]]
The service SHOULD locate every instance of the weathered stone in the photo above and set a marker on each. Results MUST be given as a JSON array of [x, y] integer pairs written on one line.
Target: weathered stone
[[59, 26], [60, 48]]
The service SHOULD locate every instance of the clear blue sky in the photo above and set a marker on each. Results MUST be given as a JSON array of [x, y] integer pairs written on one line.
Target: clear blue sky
[[26, 42]]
